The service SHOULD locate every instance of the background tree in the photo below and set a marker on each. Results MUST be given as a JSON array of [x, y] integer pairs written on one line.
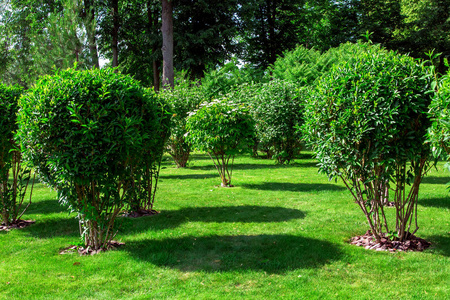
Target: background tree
[[205, 34], [167, 43]]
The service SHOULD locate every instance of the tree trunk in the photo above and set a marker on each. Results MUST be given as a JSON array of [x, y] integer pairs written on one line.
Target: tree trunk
[[167, 48], [115, 32], [88, 17], [152, 24]]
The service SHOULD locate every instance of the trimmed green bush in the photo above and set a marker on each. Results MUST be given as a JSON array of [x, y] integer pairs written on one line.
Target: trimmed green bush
[[91, 135], [12, 193], [277, 110], [366, 120], [223, 129]]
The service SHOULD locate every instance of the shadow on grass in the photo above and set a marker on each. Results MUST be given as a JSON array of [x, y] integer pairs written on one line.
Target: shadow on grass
[[436, 180], [294, 187], [256, 166], [435, 202], [45, 207], [54, 227], [269, 253], [223, 214], [189, 176], [441, 244]]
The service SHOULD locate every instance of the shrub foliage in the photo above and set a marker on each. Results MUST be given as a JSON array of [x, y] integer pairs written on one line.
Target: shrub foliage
[[366, 121], [277, 110], [12, 193], [93, 135], [183, 98], [221, 128]]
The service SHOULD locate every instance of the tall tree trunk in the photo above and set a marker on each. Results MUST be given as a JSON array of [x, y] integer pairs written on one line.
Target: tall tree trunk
[[167, 48], [115, 32], [89, 24], [272, 14], [152, 25]]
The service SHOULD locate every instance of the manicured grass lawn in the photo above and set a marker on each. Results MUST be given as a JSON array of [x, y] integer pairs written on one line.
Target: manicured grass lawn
[[281, 232]]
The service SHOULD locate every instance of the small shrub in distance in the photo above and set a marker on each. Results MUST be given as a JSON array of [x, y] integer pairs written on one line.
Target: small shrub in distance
[[12, 193], [366, 122], [87, 134], [277, 110], [221, 128], [183, 98]]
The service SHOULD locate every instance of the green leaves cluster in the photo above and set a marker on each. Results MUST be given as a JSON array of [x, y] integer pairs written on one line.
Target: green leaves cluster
[[366, 119], [277, 109], [92, 134]]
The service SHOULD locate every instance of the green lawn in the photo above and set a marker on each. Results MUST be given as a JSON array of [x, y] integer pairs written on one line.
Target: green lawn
[[281, 232]]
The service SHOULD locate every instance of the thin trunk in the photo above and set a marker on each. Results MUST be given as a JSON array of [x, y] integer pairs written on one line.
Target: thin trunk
[[167, 48], [115, 32], [89, 24], [152, 25], [272, 11]]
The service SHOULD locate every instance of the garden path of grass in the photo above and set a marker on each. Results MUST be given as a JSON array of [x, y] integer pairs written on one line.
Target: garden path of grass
[[281, 232]]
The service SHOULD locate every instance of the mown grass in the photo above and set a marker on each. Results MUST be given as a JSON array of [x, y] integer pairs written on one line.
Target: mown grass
[[281, 232]]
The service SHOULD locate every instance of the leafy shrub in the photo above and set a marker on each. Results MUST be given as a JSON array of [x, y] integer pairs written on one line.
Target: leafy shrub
[[222, 128], [439, 132], [145, 167], [12, 194], [365, 119], [89, 134], [303, 66], [277, 109], [183, 98], [300, 65]]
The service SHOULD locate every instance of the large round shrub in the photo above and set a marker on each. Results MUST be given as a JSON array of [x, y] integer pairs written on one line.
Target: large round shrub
[[222, 128], [88, 133], [366, 121], [12, 194], [277, 110]]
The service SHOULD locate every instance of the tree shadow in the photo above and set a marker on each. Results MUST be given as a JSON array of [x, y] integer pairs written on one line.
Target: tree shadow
[[255, 166], [223, 214], [436, 180], [435, 202], [189, 176], [440, 244], [56, 227], [274, 254], [45, 207], [294, 187]]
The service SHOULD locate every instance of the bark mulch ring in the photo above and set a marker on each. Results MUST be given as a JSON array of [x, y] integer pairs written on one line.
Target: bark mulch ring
[[18, 224], [88, 251], [140, 213], [368, 241]]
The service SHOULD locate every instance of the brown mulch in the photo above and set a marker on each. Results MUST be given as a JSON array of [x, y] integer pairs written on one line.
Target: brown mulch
[[88, 251], [17, 225], [140, 213], [368, 241]]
